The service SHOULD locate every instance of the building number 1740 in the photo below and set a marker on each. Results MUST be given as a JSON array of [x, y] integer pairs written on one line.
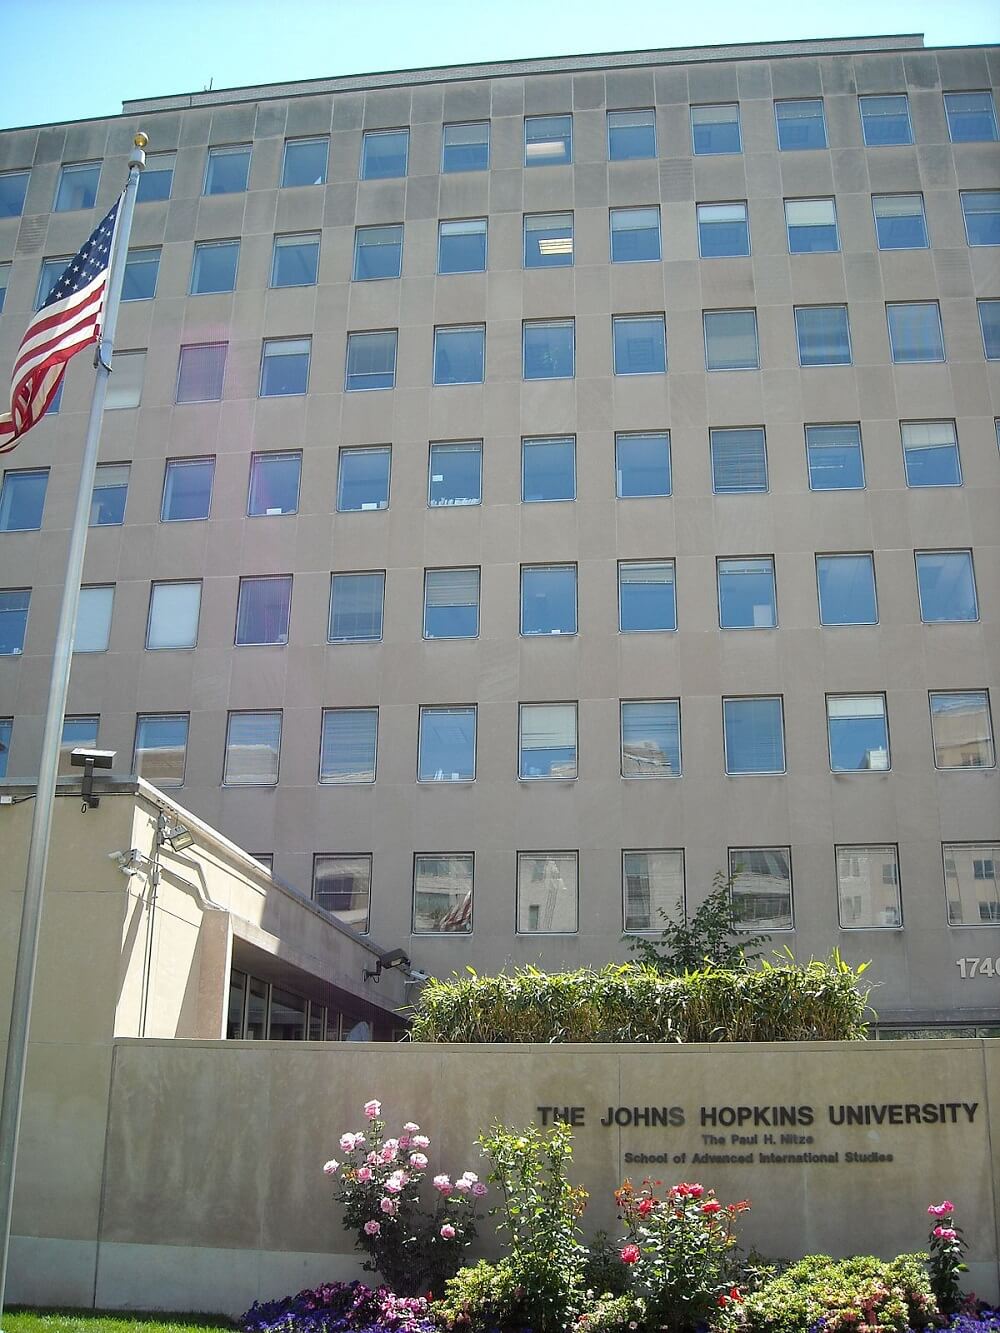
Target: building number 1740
[[978, 967]]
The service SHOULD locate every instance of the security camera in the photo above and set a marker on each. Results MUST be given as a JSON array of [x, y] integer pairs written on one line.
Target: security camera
[[416, 976]]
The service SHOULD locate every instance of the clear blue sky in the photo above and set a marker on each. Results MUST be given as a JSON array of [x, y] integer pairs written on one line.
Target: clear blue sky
[[140, 49]]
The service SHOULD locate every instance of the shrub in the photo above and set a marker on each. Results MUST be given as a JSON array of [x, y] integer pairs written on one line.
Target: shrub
[[604, 1274], [947, 1245], [339, 1307], [825, 1295], [630, 1002], [613, 1314], [713, 935]]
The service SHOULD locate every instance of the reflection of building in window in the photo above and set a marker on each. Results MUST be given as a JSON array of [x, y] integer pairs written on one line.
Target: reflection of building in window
[[762, 891], [442, 895], [970, 876]]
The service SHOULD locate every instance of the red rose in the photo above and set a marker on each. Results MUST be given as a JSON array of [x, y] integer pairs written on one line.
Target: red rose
[[711, 1207], [630, 1254], [645, 1207]]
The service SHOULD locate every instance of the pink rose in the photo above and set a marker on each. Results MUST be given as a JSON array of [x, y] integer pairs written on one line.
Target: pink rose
[[418, 1160], [411, 1127], [630, 1254], [364, 1174], [371, 1159], [442, 1184], [373, 1109], [331, 1168], [389, 1206], [944, 1233], [372, 1228], [392, 1186], [463, 1186], [403, 1141], [469, 1175], [420, 1141], [479, 1189], [447, 1232]]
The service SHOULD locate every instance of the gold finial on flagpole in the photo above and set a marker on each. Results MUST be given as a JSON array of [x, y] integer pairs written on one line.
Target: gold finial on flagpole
[[141, 139]]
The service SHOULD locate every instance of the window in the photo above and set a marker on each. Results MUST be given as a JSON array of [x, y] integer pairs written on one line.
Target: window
[[141, 270], [631, 135], [731, 340], [642, 464], [305, 162], [962, 729], [161, 748], [363, 479], [451, 603], [972, 117], [253, 744], [646, 598], [462, 246], [885, 120], [77, 732], [356, 607], [342, 886], [846, 589], [899, 221], [4, 280], [384, 154], [989, 323], [800, 124], [442, 894], [823, 335], [284, 367], [6, 730], [156, 180], [55, 402], [930, 453], [77, 187], [739, 461], [107, 505], [723, 230], [547, 893], [200, 372], [981, 211], [460, 355], [378, 252], [970, 882], [174, 610], [548, 350], [266, 859], [640, 344], [22, 500], [651, 738], [447, 745], [548, 141], [915, 332], [214, 268], [348, 745], [857, 732], [466, 147], [811, 225], [274, 484], [371, 360], [653, 884], [262, 613], [946, 586], [295, 260], [868, 888], [762, 888], [50, 273], [547, 746], [187, 489], [548, 599], [635, 235], [93, 619], [548, 469], [746, 593], [13, 188], [548, 240], [834, 457], [227, 170], [13, 620], [716, 129], [125, 385], [455, 474]]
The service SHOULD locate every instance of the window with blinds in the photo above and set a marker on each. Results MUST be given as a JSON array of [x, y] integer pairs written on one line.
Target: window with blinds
[[731, 340], [356, 607], [753, 731], [900, 223], [253, 742], [378, 252], [823, 335], [451, 603], [930, 453], [858, 733], [811, 226], [263, 610], [348, 745], [835, 458], [651, 738], [646, 598], [739, 461], [447, 745], [547, 741]]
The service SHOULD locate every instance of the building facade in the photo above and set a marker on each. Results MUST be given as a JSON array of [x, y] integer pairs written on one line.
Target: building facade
[[530, 489]]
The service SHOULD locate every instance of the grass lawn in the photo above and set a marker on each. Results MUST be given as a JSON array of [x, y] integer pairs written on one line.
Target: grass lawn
[[110, 1321]]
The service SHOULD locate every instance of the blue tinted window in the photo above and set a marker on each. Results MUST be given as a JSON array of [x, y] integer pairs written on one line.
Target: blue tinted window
[[371, 360], [981, 210], [22, 500], [50, 273], [739, 461], [548, 240], [547, 741], [972, 117], [161, 748], [451, 603], [946, 585], [263, 610], [823, 335], [642, 464], [548, 350], [227, 170], [746, 593], [285, 367], [462, 246], [846, 586], [356, 607], [754, 735], [13, 188], [548, 469], [141, 269], [646, 599], [460, 355], [13, 621], [635, 235], [4, 280], [466, 147], [447, 745], [548, 599], [800, 124], [731, 340], [930, 453], [640, 345], [274, 484], [363, 482], [899, 221], [723, 229], [107, 506], [651, 739], [214, 268], [548, 141], [187, 489], [348, 745], [835, 459], [631, 135], [77, 187], [305, 162], [6, 730], [716, 129], [885, 120], [295, 261], [378, 252], [156, 179], [915, 332], [857, 732], [989, 323], [811, 225], [384, 154], [455, 475]]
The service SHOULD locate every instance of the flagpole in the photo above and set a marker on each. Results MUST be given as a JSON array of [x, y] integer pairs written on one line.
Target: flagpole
[[38, 852]]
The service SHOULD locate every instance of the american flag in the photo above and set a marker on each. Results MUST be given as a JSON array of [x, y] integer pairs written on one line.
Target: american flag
[[69, 320]]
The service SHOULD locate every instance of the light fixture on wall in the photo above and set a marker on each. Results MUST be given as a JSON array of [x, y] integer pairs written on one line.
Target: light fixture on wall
[[88, 760], [178, 839], [386, 962]]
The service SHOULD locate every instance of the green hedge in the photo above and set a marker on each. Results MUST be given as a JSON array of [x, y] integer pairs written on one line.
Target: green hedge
[[630, 1002]]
